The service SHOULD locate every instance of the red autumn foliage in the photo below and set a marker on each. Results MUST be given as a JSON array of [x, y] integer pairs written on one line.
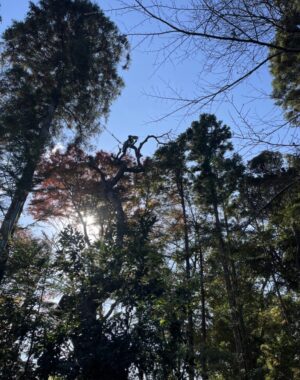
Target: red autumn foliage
[[71, 187]]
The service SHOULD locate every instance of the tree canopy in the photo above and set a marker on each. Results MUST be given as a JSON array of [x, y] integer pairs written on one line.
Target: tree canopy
[[60, 70], [183, 264]]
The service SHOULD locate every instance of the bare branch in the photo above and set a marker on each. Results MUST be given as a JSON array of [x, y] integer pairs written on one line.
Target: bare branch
[[194, 33]]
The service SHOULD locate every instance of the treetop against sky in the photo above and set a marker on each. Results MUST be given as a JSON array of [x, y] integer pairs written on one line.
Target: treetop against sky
[[157, 73]]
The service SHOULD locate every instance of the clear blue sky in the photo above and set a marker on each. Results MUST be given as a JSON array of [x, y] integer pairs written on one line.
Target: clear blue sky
[[133, 111]]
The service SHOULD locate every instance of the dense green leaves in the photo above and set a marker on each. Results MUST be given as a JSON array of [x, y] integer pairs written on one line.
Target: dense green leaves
[[285, 66]]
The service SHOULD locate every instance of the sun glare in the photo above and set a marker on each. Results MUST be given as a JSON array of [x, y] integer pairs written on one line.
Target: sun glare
[[91, 226]]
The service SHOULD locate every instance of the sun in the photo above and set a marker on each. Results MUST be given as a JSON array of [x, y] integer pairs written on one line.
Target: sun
[[91, 226], [89, 220]]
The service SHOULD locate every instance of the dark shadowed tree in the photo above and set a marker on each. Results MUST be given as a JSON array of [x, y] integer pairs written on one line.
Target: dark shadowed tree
[[59, 70], [215, 180]]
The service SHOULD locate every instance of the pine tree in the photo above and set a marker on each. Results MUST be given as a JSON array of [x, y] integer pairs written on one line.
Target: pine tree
[[215, 180]]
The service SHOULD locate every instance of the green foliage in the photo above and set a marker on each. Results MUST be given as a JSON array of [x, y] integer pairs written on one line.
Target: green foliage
[[285, 65], [22, 305], [64, 55]]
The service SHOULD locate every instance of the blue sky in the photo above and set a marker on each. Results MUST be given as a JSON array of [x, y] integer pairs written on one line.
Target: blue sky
[[135, 110]]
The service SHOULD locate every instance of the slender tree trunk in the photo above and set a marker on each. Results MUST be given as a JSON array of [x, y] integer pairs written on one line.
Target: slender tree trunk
[[270, 253], [236, 286], [33, 333], [203, 317], [114, 199], [296, 233], [236, 316], [84, 226], [190, 329], [23, 188], [10, 219]]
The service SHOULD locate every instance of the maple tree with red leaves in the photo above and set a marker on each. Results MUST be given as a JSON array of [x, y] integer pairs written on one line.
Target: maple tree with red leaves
[[75, 186]]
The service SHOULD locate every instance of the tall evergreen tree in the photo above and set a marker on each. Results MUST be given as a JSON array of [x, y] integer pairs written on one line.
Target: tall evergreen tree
[[215, 180], [60, 70], [172, 159]]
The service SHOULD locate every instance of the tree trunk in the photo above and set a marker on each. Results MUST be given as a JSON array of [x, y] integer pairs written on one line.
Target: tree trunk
[[269, 253], [190, 329], [10, 219], [203, 317], [84, 226], [235, 311], [116, 202], [296, 233], [248, 357], [23, 188]]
